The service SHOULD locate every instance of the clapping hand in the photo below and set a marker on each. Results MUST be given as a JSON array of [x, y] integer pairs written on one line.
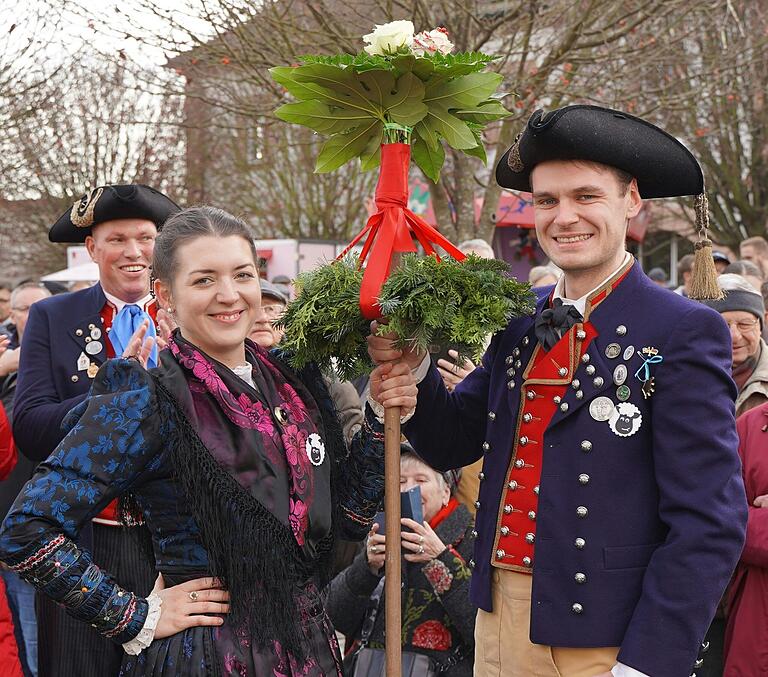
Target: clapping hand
[[165, 327], [761, 501], [140, 346]]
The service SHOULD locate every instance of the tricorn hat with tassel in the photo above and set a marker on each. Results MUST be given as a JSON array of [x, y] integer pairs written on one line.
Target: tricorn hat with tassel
[[662, 166]]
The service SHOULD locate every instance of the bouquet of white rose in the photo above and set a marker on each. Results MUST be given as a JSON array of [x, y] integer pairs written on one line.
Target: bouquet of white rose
[[401, 83], [397, 100]]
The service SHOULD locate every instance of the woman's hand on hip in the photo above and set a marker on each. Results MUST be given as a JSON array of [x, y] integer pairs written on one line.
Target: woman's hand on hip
[[185, 605]]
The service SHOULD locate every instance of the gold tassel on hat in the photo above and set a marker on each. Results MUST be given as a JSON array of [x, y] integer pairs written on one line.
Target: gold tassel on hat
[[704, 274]]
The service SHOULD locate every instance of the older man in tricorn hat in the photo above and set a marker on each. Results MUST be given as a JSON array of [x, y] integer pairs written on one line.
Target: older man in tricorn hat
[[67, 338], [611, 510]]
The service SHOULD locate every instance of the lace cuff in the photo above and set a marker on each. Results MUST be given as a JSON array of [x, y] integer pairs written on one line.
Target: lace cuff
[[378, 411], [147, 632]]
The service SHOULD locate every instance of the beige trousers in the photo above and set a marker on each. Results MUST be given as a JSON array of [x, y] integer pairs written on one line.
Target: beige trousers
[[503, 647]]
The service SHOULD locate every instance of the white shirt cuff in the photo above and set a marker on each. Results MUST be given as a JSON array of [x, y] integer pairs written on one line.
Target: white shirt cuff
[[420, 373], [378, 411], [621, 670], [147, 632]]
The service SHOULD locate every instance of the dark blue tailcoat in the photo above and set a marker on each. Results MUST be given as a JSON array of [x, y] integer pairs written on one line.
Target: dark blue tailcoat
[[666, 506], [49, 382]]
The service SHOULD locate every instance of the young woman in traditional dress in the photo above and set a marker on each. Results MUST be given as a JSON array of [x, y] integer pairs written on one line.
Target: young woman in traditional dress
[[234, 462]]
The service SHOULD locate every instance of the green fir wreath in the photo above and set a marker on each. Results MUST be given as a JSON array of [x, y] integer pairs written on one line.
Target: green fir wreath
[[425, 302]]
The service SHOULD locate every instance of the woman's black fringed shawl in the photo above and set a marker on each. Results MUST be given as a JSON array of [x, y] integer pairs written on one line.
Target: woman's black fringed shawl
[[255, 556]]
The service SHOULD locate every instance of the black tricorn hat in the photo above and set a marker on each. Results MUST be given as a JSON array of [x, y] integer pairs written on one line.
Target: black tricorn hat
[[108, 203], [662, 165]]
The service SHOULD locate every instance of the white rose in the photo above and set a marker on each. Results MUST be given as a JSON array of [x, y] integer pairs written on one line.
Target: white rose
[[389, 37], [429, 42]]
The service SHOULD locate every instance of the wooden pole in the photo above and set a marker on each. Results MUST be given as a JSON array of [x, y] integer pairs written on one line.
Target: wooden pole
[[392, 582]]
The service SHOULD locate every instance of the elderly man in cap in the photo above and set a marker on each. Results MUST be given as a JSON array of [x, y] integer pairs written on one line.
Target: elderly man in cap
[[611, 510], [744, 311], [66, 339]]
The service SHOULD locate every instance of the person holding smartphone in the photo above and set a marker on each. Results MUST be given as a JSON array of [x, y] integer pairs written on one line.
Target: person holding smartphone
[[438, 619]]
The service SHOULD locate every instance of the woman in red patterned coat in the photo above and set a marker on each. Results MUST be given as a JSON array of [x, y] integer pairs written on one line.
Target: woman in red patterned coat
[[438, 618], [746, 651]]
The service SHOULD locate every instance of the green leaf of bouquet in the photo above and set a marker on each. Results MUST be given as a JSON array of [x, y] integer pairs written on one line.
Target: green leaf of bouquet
[[464, 92], [320, 117], [479, 150], [404, 102], [336, 86], [283, 75], [378, 84], [456, 132], [403, 63], [485, 112], [370, 158], [429, 160], [341, 148], [423, 68], [427, 133]]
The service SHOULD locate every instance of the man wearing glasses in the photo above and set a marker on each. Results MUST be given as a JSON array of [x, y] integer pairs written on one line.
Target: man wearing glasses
[[744, 311]]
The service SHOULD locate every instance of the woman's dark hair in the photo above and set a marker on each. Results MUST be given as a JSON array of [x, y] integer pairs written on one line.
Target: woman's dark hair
[[188, 225]]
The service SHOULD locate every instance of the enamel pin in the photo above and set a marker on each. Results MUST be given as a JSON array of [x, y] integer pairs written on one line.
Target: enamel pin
[[83, 362], [93, 369], [315, 449], [650, 357], [625, 420]]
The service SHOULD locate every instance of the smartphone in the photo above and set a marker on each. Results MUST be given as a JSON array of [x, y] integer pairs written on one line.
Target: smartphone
[[410, 506], [440, 352]]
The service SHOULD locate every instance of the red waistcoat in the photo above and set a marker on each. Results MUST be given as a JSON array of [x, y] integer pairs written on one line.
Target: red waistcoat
[[545, 380]]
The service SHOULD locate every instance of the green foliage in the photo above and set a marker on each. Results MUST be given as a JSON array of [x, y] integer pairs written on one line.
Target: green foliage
[[348, 98], [425, 301]]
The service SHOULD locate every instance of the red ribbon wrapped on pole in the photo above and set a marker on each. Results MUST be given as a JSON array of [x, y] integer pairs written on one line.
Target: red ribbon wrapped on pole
[[392, 228]]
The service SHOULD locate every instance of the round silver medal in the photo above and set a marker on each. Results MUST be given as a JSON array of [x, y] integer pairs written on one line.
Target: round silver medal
[[315, 449], [620, 374], [612, 351], [628, 352], [93, 348], [601, 408], [95, 333]]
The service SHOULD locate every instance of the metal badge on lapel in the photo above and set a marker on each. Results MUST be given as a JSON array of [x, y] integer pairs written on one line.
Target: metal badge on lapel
[[83, 362], [95, 333], [315, 449], [612, 351], [650, 357], [94, 347], [620, 374], [625, 420], [93, 369], [601, 408]]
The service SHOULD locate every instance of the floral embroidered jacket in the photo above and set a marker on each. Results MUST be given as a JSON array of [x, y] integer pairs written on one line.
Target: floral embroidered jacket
[[438, 617], [120, 441]]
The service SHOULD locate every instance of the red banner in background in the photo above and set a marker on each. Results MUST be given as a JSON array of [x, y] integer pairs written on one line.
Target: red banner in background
[[391, 229]]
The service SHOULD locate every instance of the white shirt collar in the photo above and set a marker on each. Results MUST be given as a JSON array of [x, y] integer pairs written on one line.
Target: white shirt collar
[[581, 303], [119, 304]]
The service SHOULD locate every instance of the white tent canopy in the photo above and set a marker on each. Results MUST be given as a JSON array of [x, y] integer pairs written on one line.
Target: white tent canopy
[[85, 271]]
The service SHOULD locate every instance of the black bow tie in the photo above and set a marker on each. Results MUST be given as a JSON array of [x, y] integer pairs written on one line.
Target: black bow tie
[[553, 322]]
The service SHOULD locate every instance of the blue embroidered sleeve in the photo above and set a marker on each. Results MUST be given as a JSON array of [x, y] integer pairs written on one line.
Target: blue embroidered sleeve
[[116, 438], [362, 480]]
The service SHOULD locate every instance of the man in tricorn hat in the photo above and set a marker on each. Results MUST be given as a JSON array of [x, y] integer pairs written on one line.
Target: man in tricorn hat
[[611, 510], [67, 338]]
